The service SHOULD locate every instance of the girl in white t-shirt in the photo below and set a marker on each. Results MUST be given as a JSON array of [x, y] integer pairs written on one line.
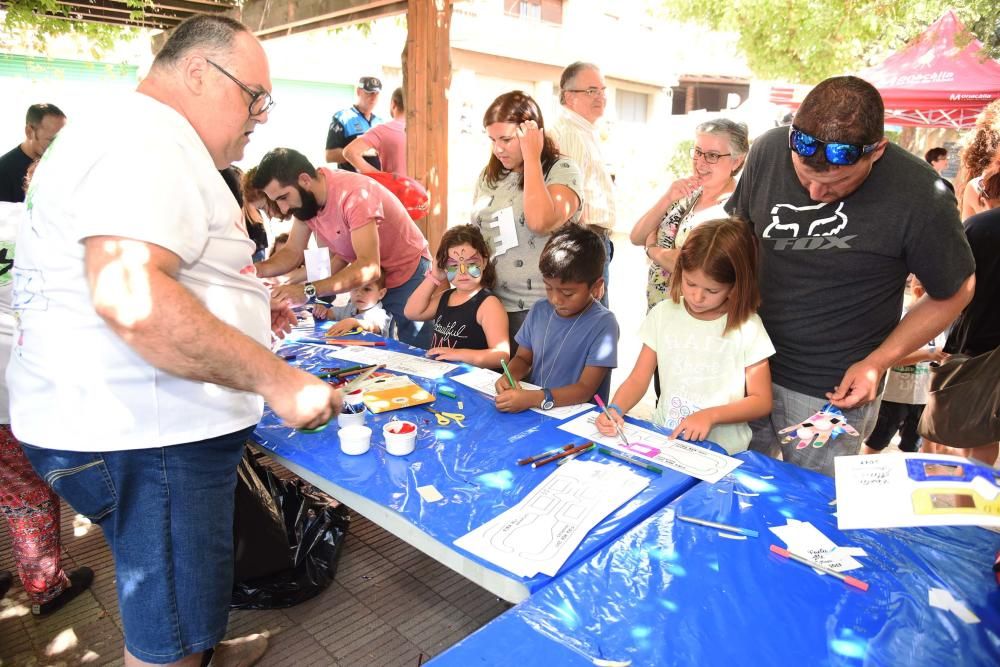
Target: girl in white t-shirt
[[706, 342]]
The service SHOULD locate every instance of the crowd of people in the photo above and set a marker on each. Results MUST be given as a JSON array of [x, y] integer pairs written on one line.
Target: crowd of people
[[778, 271]]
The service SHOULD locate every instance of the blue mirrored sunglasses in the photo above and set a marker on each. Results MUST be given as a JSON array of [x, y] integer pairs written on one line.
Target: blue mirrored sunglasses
[[835, 152]]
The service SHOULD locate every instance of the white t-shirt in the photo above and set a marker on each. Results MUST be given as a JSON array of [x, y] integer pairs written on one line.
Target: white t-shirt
[[141, 173], [11, 215], [701, 368]]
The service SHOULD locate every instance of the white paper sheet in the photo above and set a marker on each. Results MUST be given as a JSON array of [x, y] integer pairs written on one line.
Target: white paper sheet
[[542, 531], [804, 539], [942, 599], [397, 361], [430, 493], [484, 380], [317, 262], [915, 490], [657, 448]]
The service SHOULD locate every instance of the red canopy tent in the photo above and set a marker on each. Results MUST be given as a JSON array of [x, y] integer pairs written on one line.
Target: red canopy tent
[[929, 83]]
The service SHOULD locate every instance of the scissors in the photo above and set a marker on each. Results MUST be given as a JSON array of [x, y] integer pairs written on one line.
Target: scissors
[[445, 418]]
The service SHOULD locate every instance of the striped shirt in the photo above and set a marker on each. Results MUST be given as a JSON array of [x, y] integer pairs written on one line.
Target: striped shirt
[[577, 139]]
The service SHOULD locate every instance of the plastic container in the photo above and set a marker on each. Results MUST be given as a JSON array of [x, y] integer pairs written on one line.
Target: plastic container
[[355, 440], [352, 415], [400, 437], [355, 398]]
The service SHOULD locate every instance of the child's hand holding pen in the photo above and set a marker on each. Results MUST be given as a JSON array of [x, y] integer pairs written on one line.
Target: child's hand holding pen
[[518, 400], [606, 426], [695, 426]]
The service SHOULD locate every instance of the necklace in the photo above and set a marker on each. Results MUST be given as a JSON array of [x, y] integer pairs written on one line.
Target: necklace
[[545, 337]]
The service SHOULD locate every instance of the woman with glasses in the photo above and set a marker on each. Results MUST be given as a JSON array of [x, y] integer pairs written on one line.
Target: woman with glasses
[[527, 191], [719, 150]]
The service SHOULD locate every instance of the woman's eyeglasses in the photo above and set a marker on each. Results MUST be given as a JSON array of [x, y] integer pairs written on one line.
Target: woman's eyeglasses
[[836, 152], [710, 157]]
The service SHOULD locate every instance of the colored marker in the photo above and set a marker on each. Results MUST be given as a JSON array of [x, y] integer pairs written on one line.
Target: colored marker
[[846, 578], [568, 452], [573, 456], [628, 459], [607, 414], [719, 526], [444, 391], [538, 457], [361, 343], [510, 378]]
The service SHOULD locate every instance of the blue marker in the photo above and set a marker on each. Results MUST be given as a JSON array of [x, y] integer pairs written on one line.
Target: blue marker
[[720, 526]]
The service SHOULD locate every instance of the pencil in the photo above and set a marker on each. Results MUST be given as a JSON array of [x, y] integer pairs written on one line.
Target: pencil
[[568, 452], [510, 378], [607, 414], [361, 343], [537, 457], [846, 578], [628, 459], [720, 526]]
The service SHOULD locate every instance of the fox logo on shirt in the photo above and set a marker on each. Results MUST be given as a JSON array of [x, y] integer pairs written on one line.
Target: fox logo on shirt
[[814, 227]]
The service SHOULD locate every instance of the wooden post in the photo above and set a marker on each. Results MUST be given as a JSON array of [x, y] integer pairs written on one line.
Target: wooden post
[[426, 79]]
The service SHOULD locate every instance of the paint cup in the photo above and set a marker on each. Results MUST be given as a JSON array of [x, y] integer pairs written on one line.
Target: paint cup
[[352, 415], [355, 440], [355, 398], [400, 437]]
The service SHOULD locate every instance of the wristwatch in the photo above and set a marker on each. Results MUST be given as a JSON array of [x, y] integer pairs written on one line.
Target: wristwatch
[[310, 291], [548, 402]]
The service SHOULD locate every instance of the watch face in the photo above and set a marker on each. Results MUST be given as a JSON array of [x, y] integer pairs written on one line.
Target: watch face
[[548, 405], [310, 290]]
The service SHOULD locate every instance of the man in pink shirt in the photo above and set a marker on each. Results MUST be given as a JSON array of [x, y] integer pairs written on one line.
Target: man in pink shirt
[[365, 227], [388, 140]]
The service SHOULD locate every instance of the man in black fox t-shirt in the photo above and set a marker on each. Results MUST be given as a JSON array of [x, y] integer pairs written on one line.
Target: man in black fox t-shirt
[[842, 218]]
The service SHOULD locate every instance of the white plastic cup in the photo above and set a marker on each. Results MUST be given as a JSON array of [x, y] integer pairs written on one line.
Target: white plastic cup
[[355, 398], [400, 437], [345, 419], [355, 440]]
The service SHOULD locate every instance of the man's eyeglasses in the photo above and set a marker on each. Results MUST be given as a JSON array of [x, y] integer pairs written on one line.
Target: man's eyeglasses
[[710, 157], [593, 91], [260, 100], [837, 153]]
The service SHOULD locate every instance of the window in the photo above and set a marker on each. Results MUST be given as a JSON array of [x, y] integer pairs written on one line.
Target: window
[[631, 106], [694, 94], [544, 10]]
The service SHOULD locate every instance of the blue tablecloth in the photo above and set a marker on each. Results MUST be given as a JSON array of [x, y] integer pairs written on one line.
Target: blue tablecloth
[[672, 593], [474, 468]]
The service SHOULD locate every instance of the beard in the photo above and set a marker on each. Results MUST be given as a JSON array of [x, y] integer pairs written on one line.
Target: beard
[[309, 208]]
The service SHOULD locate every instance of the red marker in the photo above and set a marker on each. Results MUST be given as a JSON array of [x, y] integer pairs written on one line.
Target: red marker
[[846, 578]]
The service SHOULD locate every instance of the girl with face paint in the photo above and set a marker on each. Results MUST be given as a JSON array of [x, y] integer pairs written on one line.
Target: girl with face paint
[[469, 321]]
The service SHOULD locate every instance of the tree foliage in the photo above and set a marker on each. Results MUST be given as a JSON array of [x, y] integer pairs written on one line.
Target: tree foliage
[[807, 41], [36, 22]]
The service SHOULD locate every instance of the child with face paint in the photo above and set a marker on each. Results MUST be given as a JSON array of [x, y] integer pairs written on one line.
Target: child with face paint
[[469, 323]]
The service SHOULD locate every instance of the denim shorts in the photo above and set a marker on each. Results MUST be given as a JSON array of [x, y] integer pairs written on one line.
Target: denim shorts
[[167, 515], [791, 407]]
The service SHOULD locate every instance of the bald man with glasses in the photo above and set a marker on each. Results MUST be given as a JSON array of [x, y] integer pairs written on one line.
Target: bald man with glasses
[[583, 96], [842, 217], [141, 360]]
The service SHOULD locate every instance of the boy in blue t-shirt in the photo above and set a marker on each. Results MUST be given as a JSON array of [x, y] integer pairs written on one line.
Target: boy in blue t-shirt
[[569, 342]]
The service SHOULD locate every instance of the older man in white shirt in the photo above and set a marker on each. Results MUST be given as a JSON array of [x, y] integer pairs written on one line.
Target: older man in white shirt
[[582, 94]]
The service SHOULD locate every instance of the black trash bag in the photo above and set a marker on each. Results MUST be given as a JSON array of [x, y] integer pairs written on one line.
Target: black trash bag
[[287, 537]]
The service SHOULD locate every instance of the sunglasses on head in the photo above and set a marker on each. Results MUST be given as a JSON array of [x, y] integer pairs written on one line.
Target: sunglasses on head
[[470, 268], [836, 152]]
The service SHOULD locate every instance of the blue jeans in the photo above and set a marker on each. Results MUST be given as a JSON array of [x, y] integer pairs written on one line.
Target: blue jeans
[[609, 253], [167, 515], [411, 333]]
